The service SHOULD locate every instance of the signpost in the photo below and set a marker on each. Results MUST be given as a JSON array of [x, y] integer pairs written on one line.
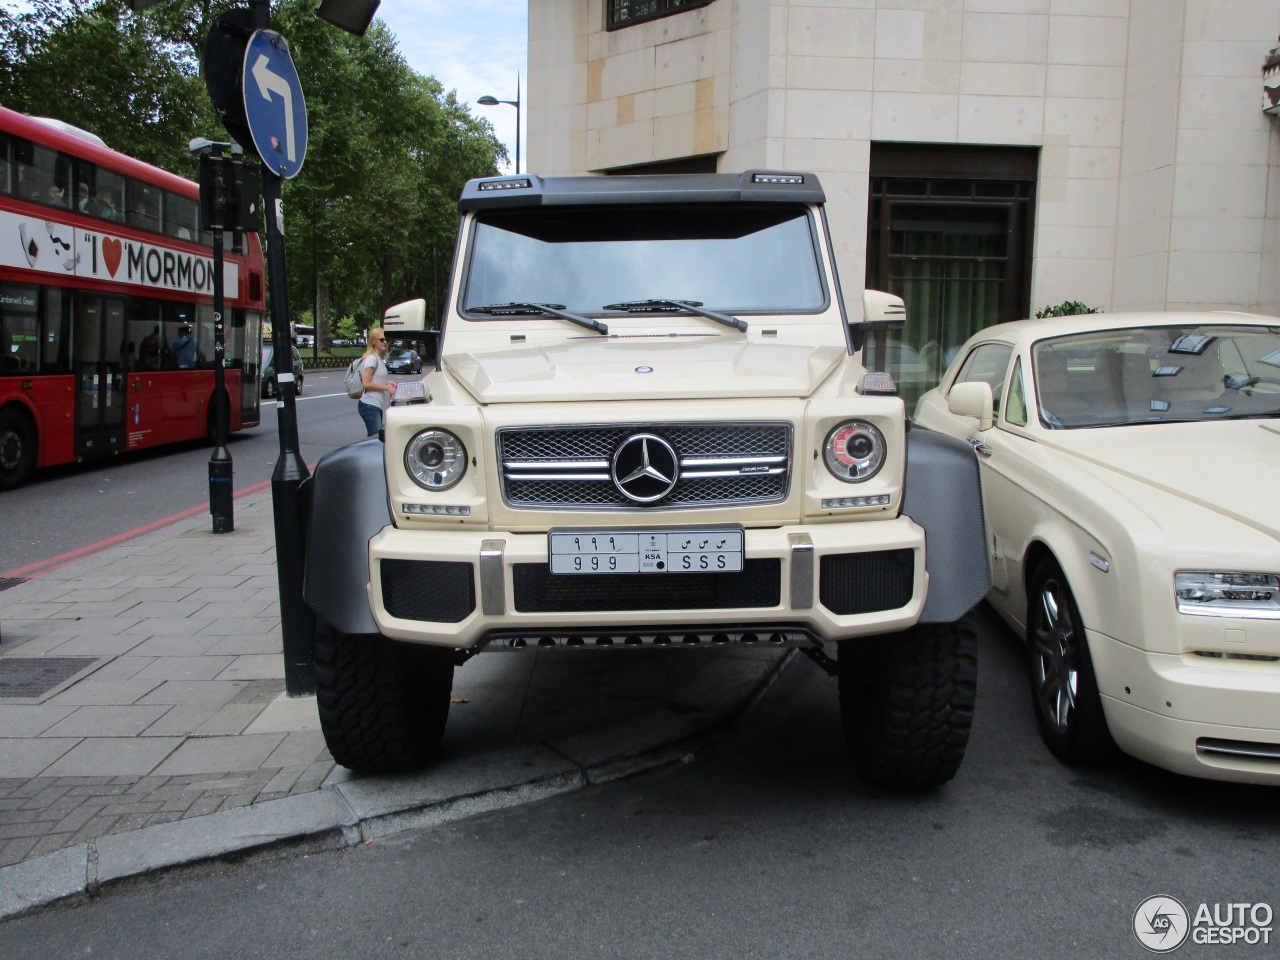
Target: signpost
[[273, 105], [254, 86]]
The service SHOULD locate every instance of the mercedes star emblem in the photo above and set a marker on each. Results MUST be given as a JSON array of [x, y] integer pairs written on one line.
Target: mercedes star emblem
[[645, 468]]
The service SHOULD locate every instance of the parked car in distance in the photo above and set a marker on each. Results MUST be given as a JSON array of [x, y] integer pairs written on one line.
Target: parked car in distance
[[270, 388], [403, 360], [1130, 464]]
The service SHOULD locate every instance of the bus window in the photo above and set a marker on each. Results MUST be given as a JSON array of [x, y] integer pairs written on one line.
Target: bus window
[[205, 357], [42, 176], [181, 217], [55, 345], [144, 331], [108, 195], [19, 329], [6, 163], [143, 206], [179, 330]]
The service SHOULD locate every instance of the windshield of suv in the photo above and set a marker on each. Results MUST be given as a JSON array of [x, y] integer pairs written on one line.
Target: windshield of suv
[[399, 353], [737, 258], [1158, 374]]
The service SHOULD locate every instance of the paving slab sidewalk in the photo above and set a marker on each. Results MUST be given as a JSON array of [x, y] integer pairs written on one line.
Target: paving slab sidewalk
[[143, 722]]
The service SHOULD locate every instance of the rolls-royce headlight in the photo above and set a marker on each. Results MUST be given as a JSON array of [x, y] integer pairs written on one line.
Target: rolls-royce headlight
[[854, 451], [1228, 594], [436, 459]]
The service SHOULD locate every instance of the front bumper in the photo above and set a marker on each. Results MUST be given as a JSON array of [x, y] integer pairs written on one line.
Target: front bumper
[[458, 588], [1203, 717]]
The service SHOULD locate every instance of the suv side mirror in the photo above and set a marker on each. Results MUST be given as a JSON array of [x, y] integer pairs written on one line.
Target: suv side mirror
[[972, 399], [884, 309], [405, 318]]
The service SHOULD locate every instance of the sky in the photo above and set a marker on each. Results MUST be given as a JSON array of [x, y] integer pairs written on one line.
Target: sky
[[476, 48]]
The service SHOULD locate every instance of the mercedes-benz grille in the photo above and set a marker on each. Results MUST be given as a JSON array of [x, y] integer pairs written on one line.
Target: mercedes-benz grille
[[623, 466]]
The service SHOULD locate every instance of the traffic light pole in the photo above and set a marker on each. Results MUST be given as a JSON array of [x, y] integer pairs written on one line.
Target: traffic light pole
[[221, 502]]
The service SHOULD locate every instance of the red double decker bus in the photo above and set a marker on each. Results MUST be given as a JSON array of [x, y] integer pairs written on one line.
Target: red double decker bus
[[106, 304]]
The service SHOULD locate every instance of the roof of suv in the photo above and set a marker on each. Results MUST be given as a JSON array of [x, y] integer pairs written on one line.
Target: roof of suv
[[531, 190]]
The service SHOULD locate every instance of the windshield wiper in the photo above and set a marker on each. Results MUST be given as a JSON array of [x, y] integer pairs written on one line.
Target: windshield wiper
[[664, 306], [543, 309]]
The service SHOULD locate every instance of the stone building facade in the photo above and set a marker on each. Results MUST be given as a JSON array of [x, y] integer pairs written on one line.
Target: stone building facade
[[982, 157]]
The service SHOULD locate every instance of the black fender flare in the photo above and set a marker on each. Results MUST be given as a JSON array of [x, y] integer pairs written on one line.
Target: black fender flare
[[349, 507], [943, 493]]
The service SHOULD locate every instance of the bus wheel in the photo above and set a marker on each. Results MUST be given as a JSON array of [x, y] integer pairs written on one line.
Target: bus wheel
[[17, 448]]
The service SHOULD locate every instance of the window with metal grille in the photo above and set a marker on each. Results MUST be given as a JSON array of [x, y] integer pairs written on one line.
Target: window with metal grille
[[623, 13], [949, 231]]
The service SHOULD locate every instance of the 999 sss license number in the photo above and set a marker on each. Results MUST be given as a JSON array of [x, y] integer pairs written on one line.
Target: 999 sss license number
[[710, 549]]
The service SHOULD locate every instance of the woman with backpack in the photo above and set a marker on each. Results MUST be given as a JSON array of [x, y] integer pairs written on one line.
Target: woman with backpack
[[378, 386]]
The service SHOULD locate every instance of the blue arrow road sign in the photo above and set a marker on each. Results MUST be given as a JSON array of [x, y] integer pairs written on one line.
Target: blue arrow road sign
[[273, 103]]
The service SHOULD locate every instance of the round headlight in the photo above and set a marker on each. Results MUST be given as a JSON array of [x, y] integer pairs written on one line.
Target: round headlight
[[436, 459], [854, 451]]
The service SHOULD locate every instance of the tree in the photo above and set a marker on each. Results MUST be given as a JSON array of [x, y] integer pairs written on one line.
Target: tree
[[388, 152], [92, 64], [1068, 308]]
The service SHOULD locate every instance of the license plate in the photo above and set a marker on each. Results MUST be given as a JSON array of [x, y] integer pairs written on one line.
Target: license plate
[[706, 550]]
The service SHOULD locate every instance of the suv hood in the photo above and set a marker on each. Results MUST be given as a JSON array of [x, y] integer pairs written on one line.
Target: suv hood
[[609, 369], [1228, 467]]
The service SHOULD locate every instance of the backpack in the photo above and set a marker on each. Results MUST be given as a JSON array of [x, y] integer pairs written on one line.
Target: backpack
[[352, 381]]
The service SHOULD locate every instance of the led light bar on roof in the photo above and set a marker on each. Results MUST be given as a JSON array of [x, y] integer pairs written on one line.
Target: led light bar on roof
[[520, 184], [777, 178]]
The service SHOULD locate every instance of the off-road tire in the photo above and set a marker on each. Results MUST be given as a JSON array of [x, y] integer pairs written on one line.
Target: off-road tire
[[17, 448], [906, 702], [383, 704]]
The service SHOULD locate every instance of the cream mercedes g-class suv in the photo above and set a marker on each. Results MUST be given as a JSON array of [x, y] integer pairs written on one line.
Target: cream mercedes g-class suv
[[649, 427]]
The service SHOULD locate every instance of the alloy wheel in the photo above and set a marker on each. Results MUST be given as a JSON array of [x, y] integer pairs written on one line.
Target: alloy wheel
[[1055, 661]]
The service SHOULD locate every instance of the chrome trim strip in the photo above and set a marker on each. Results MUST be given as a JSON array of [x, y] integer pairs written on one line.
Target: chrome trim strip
[[1192, 609], [1238, 748], [707, 474], [493, 578], [558, 476], [555, 464], [728, 461], [801, 571]]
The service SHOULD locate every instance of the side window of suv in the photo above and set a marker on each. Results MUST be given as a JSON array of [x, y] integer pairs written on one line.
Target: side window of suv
[[987, 362]]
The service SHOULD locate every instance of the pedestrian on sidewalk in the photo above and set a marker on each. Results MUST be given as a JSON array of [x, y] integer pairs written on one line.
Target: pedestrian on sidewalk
[[378, 388]]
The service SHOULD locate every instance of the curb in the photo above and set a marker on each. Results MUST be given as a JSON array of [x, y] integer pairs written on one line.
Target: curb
[[349, 810]]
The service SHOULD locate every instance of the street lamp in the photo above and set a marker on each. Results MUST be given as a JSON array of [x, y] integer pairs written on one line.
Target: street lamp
[[494, 101]]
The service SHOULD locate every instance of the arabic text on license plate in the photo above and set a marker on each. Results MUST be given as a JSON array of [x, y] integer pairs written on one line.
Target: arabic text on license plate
[[651, 551]]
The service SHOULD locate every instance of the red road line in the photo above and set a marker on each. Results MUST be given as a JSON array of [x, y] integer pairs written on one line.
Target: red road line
[[50, 564]]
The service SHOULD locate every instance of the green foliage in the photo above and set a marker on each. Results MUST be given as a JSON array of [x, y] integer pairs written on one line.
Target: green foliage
[[372, 214], [347, 328], [92, 64], [1067, 308]]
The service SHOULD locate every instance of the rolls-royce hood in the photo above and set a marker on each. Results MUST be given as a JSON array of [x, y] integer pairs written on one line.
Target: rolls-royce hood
[[1229, 467], [645, 370]]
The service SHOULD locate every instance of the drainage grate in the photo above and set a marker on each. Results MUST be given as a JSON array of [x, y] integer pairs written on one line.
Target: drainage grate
[[23, 678], [7, 582]]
